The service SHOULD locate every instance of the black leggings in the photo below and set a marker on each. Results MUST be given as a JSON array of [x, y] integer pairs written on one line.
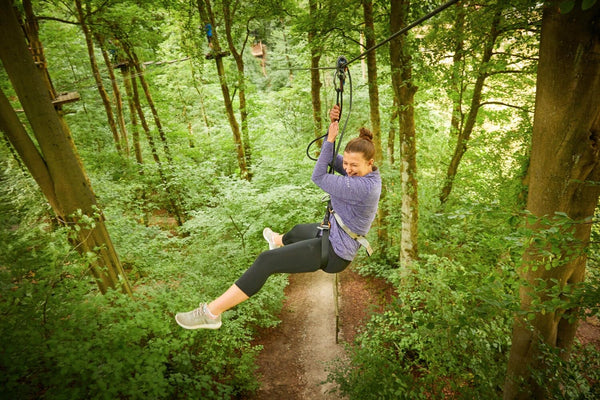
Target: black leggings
[[301, 253]]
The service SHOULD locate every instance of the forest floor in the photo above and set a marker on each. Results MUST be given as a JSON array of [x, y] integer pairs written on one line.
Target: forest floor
[[298, 352]]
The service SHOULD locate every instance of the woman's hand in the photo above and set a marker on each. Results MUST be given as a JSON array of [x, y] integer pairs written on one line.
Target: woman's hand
[[333, 131], [334, 113]]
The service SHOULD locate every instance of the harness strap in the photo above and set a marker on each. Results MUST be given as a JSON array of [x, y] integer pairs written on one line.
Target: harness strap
[[359, 238], [324, 245], [324, 228]]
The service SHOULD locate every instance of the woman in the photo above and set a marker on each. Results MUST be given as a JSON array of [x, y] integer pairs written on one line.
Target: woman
[[354, 197]]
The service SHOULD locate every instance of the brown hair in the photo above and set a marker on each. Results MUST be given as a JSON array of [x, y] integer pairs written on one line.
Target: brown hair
[[362, 144]]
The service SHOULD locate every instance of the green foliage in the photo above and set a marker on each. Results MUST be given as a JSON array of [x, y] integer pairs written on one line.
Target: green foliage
[[446, 333], [570, 378]]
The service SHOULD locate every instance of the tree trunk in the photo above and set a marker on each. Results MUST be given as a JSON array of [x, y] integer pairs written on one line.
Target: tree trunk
[[456, 84], [315, 78], [116, 93], [372, 80], [140, 113], [465, 134], [69, 182], [374, 112], [140, 74], [206, 15], [31, 28], [563, 175], [137, 148], [392, 133], [25, 148], [98, 78], [239, 62], [404, 91]]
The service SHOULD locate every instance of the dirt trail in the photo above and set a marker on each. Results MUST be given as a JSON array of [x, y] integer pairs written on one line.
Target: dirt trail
[[295, 356]]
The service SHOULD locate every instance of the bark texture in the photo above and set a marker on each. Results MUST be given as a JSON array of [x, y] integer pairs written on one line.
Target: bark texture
[[404, 91]]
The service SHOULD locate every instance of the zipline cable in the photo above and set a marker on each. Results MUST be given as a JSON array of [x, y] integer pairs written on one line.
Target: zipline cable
[[378, 45], [404, 30], [342, 68]]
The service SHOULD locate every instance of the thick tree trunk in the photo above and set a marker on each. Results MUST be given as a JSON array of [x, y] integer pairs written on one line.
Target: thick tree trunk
[[564, 171], [25, 148], [69, 180], [404, 91], [315, 78], [465, 134], [31, 28], [97, 77], [206, 15]]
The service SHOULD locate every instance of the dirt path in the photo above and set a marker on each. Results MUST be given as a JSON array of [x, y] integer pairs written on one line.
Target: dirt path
[[293, 365]]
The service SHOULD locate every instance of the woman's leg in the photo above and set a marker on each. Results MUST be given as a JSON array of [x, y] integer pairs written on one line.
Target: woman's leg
[[295, 257], [231, 298], [304, 256], [300, 232], [296, 234]]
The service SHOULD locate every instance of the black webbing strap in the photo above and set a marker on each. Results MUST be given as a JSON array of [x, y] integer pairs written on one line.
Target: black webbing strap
[[325, 225]]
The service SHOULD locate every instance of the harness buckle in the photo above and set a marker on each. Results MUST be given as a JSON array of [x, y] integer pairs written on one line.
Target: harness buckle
[[324, 227]]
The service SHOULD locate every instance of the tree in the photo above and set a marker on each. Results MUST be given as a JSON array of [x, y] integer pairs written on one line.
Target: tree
[[372, 78], [404, 92], [207, 16], [96, 72], [464, 132], [563, 191], [481, 67], [56, 166], [315, 78]]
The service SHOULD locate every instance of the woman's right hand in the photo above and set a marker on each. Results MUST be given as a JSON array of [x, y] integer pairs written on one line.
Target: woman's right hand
[[334, 113], [333, 131]]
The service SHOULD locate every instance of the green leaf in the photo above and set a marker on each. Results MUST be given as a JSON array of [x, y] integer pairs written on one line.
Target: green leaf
[[587, 4], [566, 6]]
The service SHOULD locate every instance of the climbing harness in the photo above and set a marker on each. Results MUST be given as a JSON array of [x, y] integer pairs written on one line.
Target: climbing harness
[[359, 238]]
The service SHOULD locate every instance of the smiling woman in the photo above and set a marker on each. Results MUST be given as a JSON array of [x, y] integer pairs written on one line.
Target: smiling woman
[[354, 197]]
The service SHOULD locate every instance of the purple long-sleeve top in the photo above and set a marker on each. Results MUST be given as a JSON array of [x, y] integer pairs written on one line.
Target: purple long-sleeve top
[[354, 199]]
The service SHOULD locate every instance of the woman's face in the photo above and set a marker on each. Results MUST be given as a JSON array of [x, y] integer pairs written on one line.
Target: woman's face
[[355, 164]]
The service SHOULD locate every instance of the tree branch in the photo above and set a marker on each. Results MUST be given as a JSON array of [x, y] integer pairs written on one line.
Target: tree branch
[[64, 21], [499, 103], [516, 56]]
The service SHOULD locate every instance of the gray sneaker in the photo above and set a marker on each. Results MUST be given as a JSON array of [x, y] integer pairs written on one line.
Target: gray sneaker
[[268, 235], [198, 319]]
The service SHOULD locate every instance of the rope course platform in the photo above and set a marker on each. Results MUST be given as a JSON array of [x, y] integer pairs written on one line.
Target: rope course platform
[[66, 97]]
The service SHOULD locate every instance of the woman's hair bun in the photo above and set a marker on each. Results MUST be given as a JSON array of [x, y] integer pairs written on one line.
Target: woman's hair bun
[[365, 134]]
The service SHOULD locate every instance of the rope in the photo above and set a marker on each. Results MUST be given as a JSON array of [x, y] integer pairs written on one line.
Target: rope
[[340, 75]]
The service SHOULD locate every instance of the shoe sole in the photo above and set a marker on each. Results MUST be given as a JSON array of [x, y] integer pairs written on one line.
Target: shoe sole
[[201, 326]]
